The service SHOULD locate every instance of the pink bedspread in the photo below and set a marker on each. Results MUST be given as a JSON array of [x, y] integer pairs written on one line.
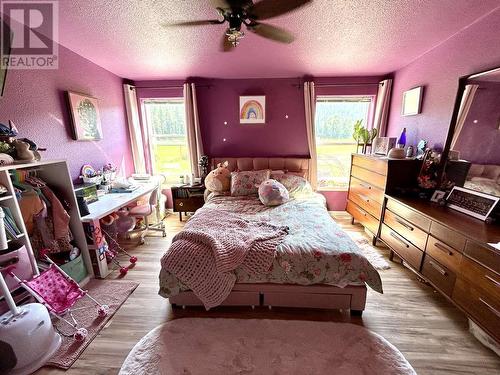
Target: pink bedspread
[[213, 244]]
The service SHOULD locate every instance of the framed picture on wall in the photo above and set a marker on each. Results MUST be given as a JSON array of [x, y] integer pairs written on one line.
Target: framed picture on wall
[[252, 109], [85, 116], [412, 101]]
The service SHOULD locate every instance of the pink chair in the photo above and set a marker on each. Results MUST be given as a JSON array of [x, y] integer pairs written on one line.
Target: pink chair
[[145, 210]]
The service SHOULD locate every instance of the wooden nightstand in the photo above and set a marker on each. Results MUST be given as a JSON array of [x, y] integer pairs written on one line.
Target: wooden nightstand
[[187, 198]]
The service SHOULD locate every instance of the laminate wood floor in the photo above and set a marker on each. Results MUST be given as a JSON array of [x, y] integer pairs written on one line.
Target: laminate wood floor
[[431, 333]]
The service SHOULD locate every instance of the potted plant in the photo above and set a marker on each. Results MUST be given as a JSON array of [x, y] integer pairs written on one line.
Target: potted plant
[[363, 136]]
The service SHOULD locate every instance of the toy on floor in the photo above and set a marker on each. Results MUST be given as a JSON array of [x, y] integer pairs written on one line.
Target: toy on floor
[[58, 292], [112, 247]]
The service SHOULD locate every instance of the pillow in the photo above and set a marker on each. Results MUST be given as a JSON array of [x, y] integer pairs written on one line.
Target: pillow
[[294, 184], [272, 193], [219, 179], [247, 182]]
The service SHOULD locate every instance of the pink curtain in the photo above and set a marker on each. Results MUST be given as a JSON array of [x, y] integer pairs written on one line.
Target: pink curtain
[[193, 127], [310, 108], [465, 104], [134, 127], [382, 106]]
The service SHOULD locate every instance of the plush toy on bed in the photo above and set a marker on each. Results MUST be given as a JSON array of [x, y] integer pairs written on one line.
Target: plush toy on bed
[[219, 180], [272, 193]]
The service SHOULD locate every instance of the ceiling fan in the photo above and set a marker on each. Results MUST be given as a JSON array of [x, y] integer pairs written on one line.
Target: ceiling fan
[[244, 12]]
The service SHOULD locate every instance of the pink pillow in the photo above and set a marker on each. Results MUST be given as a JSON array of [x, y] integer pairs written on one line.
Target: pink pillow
[[293, 183], [272, 193], [247, 182]]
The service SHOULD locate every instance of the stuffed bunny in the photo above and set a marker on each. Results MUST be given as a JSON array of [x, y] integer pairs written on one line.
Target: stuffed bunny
[[219, 179]]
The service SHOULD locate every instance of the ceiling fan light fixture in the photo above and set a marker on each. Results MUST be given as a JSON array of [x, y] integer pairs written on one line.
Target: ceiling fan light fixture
[[234, 36]]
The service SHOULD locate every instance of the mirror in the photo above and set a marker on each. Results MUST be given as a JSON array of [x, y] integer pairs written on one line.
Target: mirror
[[475, 139]]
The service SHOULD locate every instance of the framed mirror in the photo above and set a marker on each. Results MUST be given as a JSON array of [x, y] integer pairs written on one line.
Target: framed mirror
[[473, 140]]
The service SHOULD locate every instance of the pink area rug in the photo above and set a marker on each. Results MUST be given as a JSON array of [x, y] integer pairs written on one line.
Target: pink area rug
[[111, 293], [193, 346]]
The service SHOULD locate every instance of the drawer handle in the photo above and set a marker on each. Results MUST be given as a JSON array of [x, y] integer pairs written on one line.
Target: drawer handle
[[367, 200], [492, 280], [366, 186], [394, 235], [361, 211], [493, 310], [438, 268], [181, 204], [443, 248], [409, 227]]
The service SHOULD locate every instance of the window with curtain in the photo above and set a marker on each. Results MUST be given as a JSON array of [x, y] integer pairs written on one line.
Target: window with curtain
[[166, 122], [334, 122]]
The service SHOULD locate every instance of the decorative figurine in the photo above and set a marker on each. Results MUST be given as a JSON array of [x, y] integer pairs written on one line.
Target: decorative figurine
[[401, 142]]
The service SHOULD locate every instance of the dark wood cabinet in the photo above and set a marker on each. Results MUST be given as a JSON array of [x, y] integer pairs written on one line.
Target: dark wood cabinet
[[187, 198], [451, 251], [371, 178]]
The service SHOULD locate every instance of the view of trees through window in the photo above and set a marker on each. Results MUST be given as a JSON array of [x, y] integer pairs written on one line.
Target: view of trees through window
[[334, 122], [168, 138]]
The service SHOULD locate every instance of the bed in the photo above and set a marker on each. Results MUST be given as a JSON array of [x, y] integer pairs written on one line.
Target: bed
[[316, 266], [484, 178]]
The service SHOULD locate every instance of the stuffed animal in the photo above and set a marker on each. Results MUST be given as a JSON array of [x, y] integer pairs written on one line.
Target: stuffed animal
[[219, 179], [23, 151], [272, 193]]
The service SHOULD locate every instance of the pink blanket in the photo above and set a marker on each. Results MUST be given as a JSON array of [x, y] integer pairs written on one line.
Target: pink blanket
[[213, 244]]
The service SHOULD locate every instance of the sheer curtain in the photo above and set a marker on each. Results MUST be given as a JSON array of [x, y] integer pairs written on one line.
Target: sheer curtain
[[382, 106], [310, 107], [465, 104], [193, 127], [134, 127]]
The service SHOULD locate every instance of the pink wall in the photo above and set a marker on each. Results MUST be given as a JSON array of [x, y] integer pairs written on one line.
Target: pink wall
[[35, 101], [473, 49], [218, 102]]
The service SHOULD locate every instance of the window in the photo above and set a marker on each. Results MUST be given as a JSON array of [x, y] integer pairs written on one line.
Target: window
[[334, 123], [165, 119]]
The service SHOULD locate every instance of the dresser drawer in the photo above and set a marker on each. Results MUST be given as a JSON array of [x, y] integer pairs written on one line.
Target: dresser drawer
[[411, 254], [187, 204], [366, 203], [443, 253], [366, 189], [484, 255], [448, 236], [411, 216], [373, 178], [363, 217], [372, 164], [483, 309], [442, 278], [407, 230], [481, 278]]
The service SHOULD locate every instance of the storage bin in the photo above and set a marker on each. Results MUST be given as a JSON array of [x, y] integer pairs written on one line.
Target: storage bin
[[75, 268]]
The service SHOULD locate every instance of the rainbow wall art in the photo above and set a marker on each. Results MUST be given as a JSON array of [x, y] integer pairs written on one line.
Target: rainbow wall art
[[252, 109]]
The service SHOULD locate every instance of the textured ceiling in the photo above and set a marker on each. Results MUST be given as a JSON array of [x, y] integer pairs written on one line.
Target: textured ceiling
[[333, 37]]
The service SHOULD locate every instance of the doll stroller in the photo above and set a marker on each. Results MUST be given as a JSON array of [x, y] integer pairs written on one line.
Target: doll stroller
[[59, 292]]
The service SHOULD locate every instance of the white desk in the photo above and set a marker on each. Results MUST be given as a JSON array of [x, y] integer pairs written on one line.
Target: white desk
[[106, 205], [112, 202]]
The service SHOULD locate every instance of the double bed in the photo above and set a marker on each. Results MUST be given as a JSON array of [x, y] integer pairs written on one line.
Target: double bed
[[317, 265]]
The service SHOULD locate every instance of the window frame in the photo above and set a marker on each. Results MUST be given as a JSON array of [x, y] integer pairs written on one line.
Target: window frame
[[368, 120], [149, 130]]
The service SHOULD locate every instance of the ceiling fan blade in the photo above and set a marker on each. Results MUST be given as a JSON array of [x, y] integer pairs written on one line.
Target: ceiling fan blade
[[271, 32], [226, 45], [194, 23], [266, 9]]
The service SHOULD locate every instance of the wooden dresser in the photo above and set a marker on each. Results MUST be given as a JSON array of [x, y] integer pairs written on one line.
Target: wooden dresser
[[451, 251], [371, 178]]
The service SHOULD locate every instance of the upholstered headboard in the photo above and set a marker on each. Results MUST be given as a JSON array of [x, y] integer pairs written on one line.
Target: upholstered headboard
[[294, 165]]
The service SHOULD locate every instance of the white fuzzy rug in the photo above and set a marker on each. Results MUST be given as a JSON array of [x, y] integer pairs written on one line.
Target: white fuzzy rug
[[374, 257], [192, 346]]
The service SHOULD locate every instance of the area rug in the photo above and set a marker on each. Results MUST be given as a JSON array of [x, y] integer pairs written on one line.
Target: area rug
[[111, 293], [249, 346], [374, 257]]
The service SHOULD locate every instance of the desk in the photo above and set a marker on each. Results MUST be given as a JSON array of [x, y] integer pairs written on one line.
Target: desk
[[106, 205]]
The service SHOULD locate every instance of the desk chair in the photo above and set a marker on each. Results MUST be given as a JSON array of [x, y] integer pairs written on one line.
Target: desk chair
[[145, 210]]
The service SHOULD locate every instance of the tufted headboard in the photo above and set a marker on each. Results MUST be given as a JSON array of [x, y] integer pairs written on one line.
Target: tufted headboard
[[292, 165]]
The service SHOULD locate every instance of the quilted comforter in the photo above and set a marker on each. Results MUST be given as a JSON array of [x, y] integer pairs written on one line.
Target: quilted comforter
[[316, 250]]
